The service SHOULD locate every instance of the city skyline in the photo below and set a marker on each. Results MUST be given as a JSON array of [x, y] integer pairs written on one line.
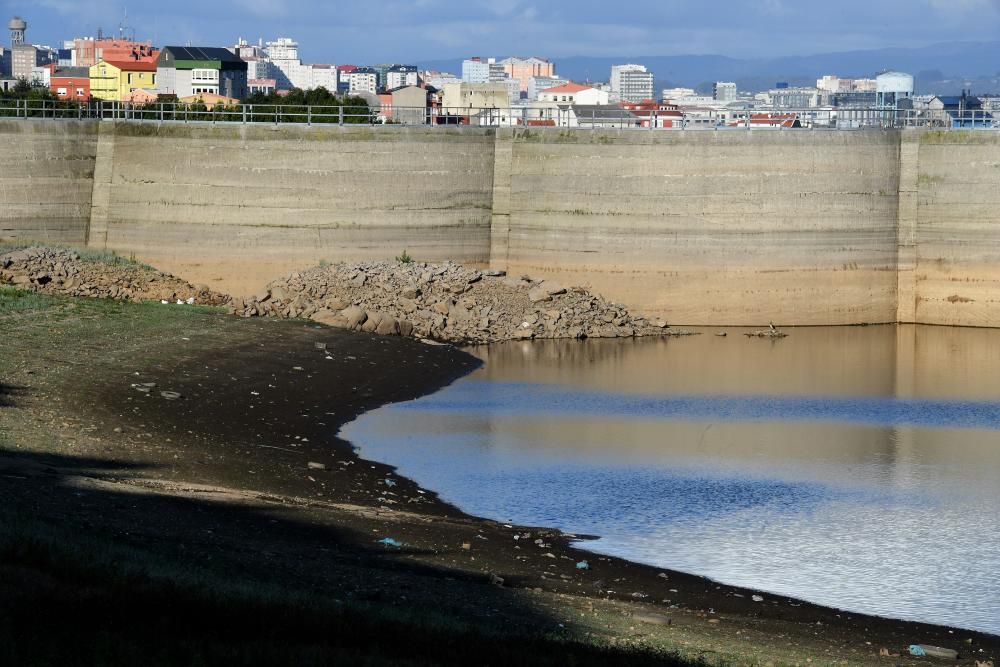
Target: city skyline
[[421, 30]]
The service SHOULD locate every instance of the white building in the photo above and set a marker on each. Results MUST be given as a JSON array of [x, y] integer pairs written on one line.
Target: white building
[[574, 93], [399, 76], [476, 70], [537, 84], [440, 79], [631, 83], [724, 91], [674, 93], [363, 80], [284, 66], [794, 98]]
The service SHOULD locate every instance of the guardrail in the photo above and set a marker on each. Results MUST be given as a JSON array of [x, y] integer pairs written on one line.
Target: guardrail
[[566, 117]]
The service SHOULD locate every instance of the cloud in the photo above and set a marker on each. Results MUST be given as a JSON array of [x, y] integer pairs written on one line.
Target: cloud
[[409, 30]]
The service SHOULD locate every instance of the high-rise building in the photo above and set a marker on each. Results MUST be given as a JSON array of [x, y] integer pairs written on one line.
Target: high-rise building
[[523, 69], [475, 70], [631, 83], [398, 76], [724, 92], [288, 71]]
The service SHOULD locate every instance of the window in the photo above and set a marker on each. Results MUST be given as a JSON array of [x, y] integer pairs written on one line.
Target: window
[[60, 91], [79, 92], [130, 78]]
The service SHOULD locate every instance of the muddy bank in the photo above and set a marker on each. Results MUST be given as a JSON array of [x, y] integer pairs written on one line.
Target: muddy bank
[[238, 466]]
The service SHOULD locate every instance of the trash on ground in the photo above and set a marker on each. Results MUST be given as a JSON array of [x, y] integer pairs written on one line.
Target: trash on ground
[[390, 542], [583, 565], [925, 650]]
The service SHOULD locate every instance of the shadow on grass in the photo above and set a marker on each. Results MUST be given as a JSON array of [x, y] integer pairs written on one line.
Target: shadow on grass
[[98, 573], [8, 393]]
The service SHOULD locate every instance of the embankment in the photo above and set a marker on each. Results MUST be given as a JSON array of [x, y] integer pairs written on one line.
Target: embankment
[[731, 227]]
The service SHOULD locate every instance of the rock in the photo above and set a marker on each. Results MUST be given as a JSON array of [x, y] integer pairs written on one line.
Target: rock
[[372, 320], [312, 465], [387, 326], [411, 292], [330, 318], [280, 294], [405, 328], [459, 314], [539, 294], [442, 308], [408, 306], [354, 316], [336, 304]]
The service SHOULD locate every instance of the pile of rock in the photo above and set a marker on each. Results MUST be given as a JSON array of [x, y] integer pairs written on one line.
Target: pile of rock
[[60, 271], [447, 302]]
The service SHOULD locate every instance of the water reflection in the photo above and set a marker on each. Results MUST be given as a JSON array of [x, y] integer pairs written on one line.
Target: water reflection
[[855, 467]]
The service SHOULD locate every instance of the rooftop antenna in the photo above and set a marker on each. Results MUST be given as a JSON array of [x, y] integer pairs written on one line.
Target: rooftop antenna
[[124, 28]]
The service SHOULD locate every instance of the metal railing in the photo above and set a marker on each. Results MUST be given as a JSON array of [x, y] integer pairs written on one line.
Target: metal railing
[[582, 118]]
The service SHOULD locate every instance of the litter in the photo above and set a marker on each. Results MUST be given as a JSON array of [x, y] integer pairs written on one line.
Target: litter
[[924, 650], [389, 542], [583, 565], [757, 598], [170, 395]]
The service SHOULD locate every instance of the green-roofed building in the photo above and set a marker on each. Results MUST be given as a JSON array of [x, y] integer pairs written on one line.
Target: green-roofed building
[[193, 70]]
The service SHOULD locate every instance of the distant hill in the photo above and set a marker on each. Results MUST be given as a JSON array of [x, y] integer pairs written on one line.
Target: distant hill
[[940, 68]]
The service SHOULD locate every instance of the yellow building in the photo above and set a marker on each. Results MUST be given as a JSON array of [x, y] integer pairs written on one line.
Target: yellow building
[[113, 80]]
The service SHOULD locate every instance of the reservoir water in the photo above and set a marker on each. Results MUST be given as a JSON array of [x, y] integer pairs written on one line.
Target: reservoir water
[[852, 467]]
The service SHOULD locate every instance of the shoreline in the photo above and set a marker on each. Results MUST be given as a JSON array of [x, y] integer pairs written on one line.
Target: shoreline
[[255, 412]]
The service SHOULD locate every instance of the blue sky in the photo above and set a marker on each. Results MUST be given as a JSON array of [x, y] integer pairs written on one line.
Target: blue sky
[[416, 30]]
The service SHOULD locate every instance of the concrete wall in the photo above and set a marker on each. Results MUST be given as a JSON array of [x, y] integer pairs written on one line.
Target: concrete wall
[[236, 206], [955, 221], [711, 227], [46, 180], [727, 227]]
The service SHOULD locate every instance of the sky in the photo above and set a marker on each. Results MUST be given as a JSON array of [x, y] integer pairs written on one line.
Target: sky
[[422, 30]]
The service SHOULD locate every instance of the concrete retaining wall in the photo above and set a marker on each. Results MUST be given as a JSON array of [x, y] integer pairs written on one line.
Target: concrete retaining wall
[[46, 180], [728, 227], [712, 227], [236, 206]]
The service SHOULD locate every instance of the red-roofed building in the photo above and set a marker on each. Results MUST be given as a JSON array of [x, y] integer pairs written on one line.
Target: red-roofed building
[[769, 121], [655, 114], [573, 93], [70, 83], [114, 79]]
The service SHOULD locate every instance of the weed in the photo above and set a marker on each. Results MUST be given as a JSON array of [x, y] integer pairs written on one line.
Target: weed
[[404, 258]]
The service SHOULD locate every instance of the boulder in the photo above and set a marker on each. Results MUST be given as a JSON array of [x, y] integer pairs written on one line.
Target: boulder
[[442, 307], [355, 316], [330, 318], [539, 294], [387, 326], [372, 320], [405, 328]]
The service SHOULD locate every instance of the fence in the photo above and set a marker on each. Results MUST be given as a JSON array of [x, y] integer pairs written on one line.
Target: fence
[[566, 117]]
